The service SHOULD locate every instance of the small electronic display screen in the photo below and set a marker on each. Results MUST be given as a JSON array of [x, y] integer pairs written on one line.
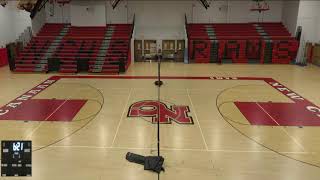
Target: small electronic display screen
[[16, 158]]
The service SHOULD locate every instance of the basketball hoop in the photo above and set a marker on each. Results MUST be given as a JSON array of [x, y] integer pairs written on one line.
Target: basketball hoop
[[26, 5], [3, 3], [260, 6]]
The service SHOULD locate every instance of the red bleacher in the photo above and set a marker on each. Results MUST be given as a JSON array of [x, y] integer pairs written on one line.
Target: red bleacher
[[241, 43], [97, 49], [275, 29], [118, 51], [79, 44], [30, 59]]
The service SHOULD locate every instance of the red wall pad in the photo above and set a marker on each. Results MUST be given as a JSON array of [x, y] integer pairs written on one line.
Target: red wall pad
[[3, 57]]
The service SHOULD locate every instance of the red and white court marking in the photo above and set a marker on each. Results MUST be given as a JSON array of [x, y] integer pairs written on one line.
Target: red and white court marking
[[26, 108], [176, 113], [300, 113]]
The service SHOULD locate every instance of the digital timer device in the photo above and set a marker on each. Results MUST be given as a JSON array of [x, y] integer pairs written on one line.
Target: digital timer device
[[16, 158]]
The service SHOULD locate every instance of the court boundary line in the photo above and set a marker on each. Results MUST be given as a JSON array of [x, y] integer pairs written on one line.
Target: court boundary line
[[178, 149], [41, 122], [286, 132], [56, 109], [257, 142], [196, 117], [121, 118], [77, 130]]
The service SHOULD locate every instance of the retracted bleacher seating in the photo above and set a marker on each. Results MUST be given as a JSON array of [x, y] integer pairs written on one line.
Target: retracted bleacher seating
[[114, 54], [241, 43], [69, 49], [79, 46], [32, 57]]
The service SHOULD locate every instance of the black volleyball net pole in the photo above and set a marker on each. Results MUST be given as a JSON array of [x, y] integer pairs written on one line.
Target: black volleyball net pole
[[152, 163]]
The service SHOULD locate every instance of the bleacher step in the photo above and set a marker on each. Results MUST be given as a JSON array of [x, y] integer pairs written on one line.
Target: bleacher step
[[103, 53]]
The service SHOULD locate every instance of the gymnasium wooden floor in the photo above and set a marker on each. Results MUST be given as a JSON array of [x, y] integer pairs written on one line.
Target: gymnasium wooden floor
[[226, 122]]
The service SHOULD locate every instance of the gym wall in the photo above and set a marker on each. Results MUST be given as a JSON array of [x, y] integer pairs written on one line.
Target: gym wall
[[39, 20], [166, 16], [6, 25], [165, 19], [235, 11], [119, 14], [159, 19], [56, 13], [309, 19], [90, 13], [12, 22], [290, 15]]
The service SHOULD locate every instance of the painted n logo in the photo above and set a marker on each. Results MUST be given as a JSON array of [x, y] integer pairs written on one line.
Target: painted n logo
[[178, 114]]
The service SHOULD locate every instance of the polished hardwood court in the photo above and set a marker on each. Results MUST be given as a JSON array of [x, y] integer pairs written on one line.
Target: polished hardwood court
[[226, 122]]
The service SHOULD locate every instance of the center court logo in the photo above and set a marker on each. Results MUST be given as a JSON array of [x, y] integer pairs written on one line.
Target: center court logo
[[176, 113]]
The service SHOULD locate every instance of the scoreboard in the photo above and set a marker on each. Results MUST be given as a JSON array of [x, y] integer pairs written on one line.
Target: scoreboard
[[16, 158]]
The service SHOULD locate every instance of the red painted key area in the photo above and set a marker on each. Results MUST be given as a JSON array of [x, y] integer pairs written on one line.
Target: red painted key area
[[45, 110]]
